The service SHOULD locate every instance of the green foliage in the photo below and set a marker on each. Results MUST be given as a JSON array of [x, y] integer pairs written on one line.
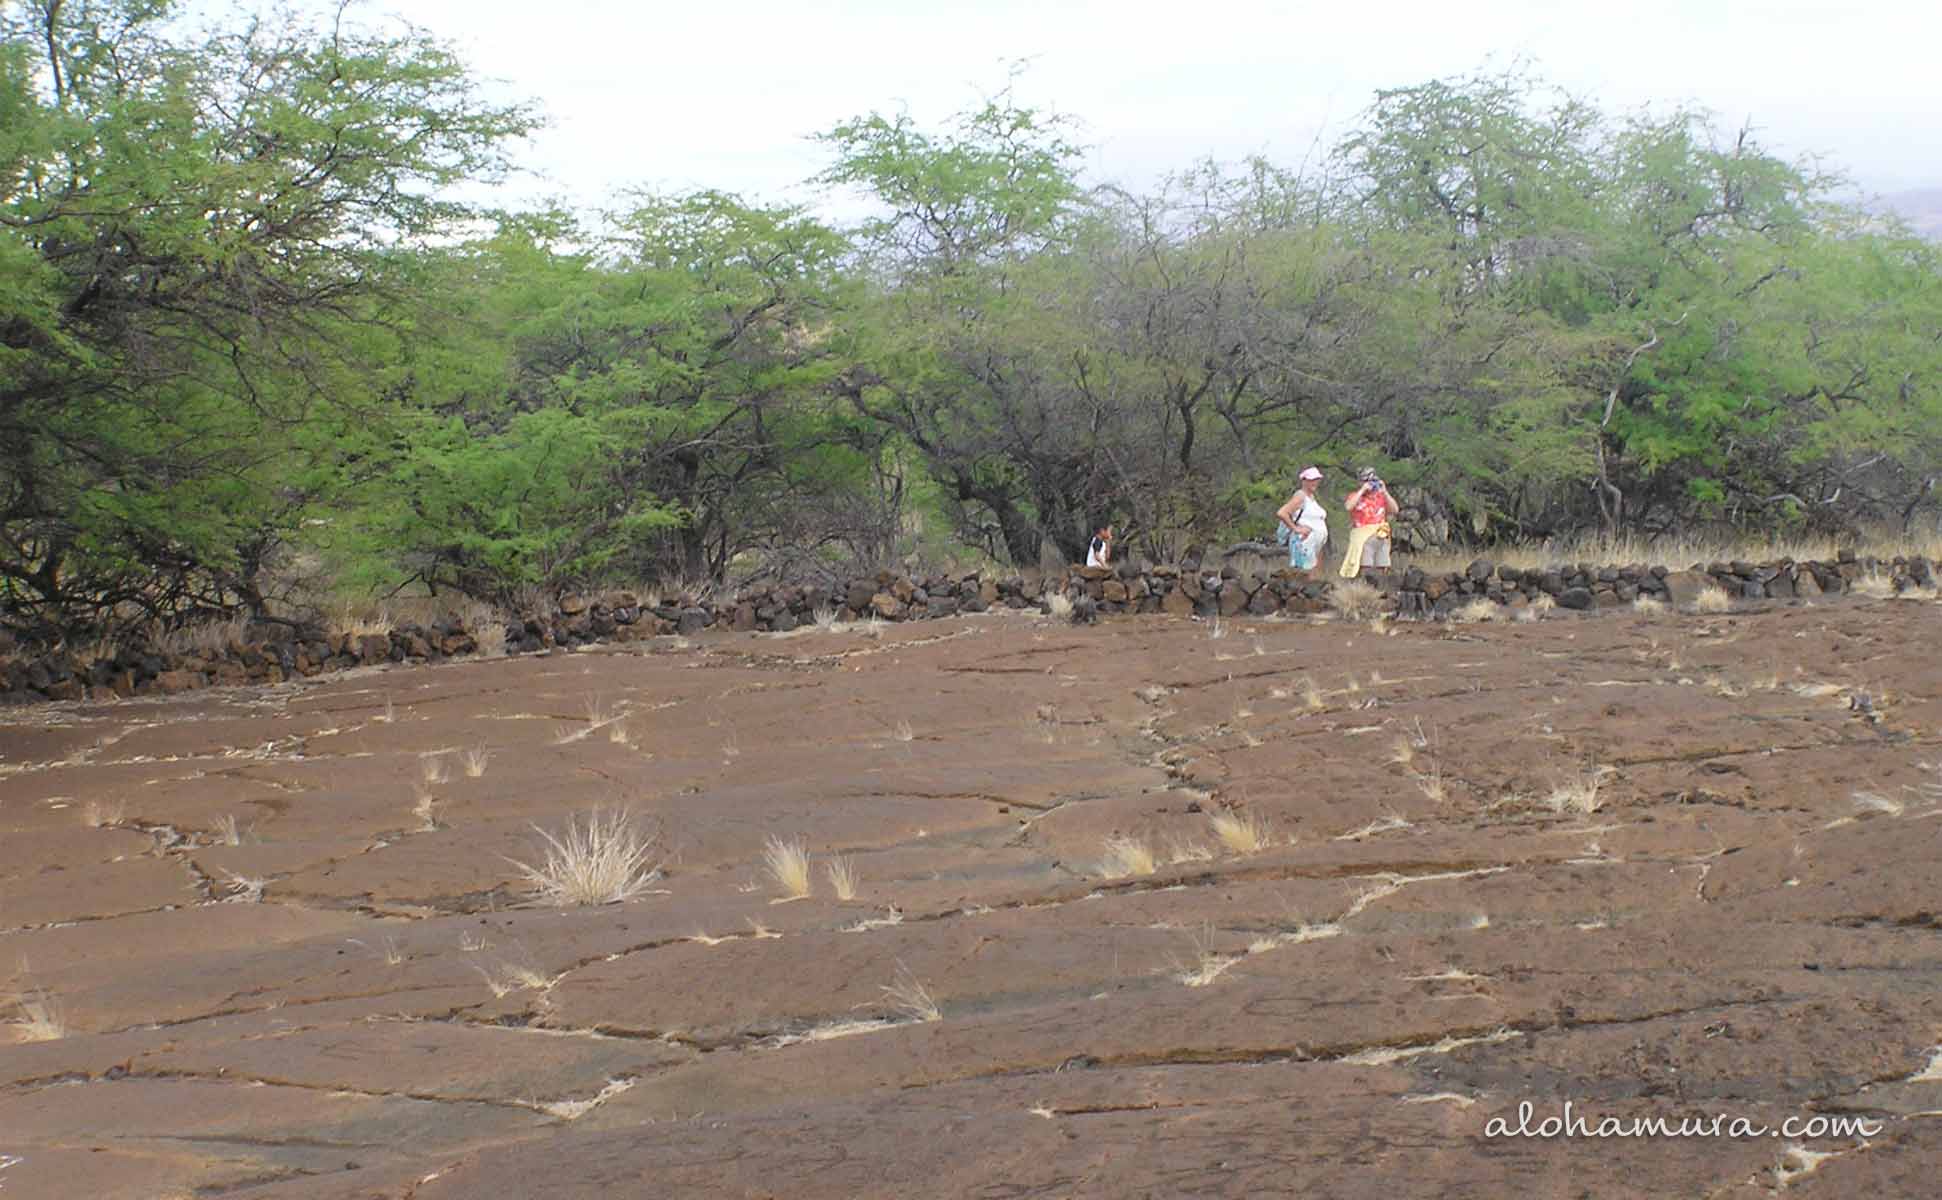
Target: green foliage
[[999, 182], [196, 239], [243, 324]]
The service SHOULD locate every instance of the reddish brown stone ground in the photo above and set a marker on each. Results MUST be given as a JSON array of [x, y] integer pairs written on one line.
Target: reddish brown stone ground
[[356, 1001]]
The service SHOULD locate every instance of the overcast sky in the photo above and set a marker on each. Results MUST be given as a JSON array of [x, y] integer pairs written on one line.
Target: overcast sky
[[691, 94]]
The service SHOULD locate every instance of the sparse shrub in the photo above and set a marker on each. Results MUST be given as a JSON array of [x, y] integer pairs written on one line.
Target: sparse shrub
[[606, 861]]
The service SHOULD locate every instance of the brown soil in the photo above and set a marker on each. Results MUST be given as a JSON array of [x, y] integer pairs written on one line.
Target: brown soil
[[359, 998]]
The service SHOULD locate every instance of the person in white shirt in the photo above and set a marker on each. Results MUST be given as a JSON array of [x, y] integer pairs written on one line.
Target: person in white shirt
[[1100, 552], [1306, 522]]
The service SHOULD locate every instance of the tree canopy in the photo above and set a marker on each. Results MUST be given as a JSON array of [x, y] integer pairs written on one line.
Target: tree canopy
[[250, 342]]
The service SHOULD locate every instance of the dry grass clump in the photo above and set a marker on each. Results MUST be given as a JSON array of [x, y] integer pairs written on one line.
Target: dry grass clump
[[1874, 585], [606, 861], [823, 618], [1431, 784], [1579, 796], [788, 864], [243, 889], [209, 639], [425, 807], [1187, 850], [1542, 603], [96, 814], [1208, 963], [1354, 600], [1242, 833], [1648, 606], [434, 768], [511, 976], [486, 624], [1126, 856], [475, 761], [362, 621], [910, 998], [599, 717], [1059, 605], [1876, 802], [36, 1017], [842, 877], [1712, 598], [1479, 611], [1411, 741]]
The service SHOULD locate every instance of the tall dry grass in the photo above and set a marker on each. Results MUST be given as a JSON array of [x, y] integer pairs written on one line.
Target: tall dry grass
[[787, 863], [603, 862], [1681, 551]]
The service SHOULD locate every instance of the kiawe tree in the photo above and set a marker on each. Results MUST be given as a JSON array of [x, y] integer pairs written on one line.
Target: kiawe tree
[[642, 401], [952, 332], [199, 239]]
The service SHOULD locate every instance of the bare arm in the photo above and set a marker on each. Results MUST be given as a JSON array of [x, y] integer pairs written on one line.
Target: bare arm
[[1287, 516]]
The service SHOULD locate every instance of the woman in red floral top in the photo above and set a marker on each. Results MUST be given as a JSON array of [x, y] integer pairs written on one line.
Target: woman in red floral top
[[1370, 507]]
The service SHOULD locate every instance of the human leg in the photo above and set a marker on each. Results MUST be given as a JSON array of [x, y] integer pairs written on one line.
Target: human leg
[[1356, 556]]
